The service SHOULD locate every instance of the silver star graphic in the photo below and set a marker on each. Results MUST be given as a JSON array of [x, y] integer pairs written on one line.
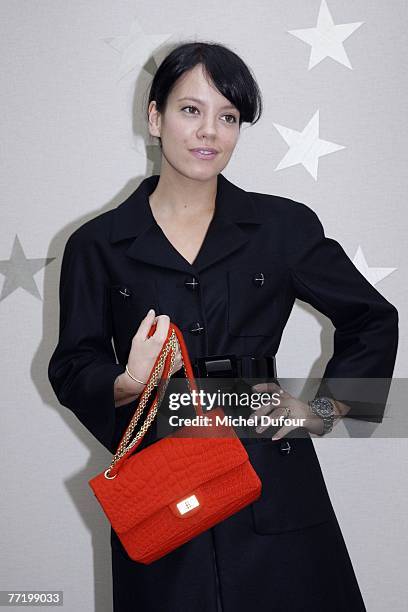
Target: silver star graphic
[[373, 275], [326, 39], [19, 271], [136, 48], [151, 151], [305, 147]]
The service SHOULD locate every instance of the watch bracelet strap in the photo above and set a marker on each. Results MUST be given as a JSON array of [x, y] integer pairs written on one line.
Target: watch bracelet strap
[[328, 421]]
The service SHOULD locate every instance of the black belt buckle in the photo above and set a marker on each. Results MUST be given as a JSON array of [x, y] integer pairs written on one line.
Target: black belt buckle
[[254, 368], [216, 366]]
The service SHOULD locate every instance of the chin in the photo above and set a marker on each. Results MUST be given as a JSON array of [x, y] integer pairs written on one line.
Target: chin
[[200, 174]]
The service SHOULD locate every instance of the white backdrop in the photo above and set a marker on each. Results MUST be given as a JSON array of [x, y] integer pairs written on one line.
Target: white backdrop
[[74, 144]]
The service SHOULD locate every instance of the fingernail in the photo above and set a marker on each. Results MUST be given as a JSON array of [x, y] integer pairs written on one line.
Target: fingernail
[[151, 311]]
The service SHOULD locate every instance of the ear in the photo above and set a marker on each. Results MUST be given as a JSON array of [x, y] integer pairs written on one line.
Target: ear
[[154, 119]]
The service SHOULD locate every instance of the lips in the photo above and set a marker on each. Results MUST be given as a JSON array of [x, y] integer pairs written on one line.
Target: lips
[[204, 152]]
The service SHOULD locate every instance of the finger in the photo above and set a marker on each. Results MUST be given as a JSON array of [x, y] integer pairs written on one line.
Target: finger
[[279, 413], [146, 324], [176, 367], [263, 423], [282, 432], [162, 328], [260, 387], [269, 386], [266, 409], [278, 401], [178, 359], [273, 389]]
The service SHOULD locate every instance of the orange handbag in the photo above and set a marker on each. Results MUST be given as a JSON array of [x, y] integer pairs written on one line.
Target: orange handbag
[[183, 484]]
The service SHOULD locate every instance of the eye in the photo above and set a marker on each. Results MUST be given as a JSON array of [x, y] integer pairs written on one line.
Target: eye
[[189, 107], [234, 119]]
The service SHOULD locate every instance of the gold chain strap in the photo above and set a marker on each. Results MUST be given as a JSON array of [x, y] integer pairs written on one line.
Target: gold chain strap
[[170, 347]]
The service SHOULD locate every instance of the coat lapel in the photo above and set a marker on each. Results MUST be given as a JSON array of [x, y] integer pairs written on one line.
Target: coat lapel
[[134, 219]]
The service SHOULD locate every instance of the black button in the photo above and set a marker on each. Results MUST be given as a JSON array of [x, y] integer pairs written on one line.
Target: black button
[[125, 292], [284, 447], [259, 279], [196, 328], [191, 283]]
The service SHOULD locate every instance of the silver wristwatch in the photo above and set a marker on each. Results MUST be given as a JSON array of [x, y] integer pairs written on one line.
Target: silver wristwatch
[[324, 408]]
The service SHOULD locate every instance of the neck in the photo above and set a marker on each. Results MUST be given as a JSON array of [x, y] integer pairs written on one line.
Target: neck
[[177, 195]]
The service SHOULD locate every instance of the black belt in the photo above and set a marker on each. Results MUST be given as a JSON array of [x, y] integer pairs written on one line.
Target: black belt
[[231, 366]]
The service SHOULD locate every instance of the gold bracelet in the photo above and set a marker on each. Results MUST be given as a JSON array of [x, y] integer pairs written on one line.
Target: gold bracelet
[[134, 378]]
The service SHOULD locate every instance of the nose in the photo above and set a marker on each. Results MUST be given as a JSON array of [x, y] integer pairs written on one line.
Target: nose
[[207, 129]]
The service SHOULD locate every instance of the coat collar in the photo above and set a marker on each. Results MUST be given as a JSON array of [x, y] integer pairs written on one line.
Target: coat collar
[[134, 219]]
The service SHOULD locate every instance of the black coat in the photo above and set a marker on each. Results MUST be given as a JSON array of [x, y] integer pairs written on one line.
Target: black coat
[[284, 552]]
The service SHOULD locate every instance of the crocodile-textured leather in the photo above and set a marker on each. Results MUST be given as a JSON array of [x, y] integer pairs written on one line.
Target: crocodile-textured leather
[[141, 500]]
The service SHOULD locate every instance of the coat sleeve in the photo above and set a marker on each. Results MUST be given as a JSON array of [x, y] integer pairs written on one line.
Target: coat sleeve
[[359, 372], [83, 367]]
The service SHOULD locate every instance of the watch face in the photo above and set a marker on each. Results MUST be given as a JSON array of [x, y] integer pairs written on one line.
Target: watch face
[[325, 410], [324, 406]]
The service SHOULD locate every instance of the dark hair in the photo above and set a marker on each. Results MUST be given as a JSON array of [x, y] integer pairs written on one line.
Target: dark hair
[[229, 73]]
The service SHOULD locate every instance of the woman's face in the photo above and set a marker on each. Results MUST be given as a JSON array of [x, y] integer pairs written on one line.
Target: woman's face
[[203, 118]]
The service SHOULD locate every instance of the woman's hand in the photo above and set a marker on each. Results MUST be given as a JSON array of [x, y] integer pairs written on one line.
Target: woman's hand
[[144, 350], [142, 356], [289, 407]]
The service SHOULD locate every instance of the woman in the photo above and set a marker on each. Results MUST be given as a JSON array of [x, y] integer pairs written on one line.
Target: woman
[[226, 266]]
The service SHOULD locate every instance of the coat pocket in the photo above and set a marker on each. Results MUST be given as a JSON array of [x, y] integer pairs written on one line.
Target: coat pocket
[[255, 300], [294, 494], [128, 305]]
